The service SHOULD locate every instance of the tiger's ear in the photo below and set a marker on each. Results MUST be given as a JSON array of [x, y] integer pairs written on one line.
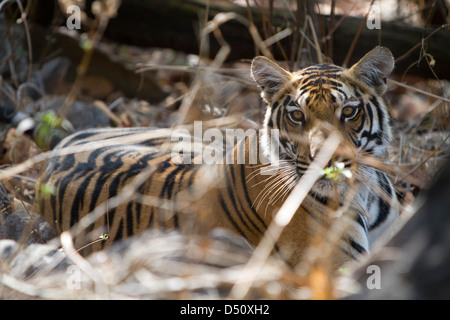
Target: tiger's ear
[[374, 68], [269, 76]]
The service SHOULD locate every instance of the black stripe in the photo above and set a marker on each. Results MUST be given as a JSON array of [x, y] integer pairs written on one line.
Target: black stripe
[[360, 249], [242, 209], [99, 135], [78, 200], [328, 70], [247, 198], [230, 218], [119, 233], [138, 209], [151, 221], [320, 198], [348, 253], [77, 137], [314, 216], [233, 197], [252, 209], [285, 143], [62, 185], [53, 209], [363, 121], [383, 207], [186, 169], [319, 81], [168, 188], [169, 182], [106, 170], [193, 172], [362, 222], [80, 171], [381, 119], [278, 118], [370, 113], [368, 134], [129, 219]]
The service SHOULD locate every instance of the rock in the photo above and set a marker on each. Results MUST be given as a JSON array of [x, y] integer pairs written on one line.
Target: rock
[[7, 248], [25, 228], [82, 115]]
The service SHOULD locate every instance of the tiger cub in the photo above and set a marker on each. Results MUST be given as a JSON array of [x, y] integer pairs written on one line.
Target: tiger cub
[[183, 192]]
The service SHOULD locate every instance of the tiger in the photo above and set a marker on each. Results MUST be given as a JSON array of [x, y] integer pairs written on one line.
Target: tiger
[[304, 108]]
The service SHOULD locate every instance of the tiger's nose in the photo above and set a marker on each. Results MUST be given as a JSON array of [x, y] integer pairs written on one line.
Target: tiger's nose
[[316, 139]]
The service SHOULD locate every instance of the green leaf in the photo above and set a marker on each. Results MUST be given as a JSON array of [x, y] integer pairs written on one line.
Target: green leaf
[[104, 236], [47, 189], [336, 172]]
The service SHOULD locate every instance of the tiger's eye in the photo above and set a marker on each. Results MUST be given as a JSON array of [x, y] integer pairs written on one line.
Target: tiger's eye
[[297, 115], [348, 111]]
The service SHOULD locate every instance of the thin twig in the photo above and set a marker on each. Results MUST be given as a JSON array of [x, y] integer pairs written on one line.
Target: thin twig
[[418, 45], [316, 40], [23, 19], [355, 39], [67, 244], [429, 94], [421, 163]]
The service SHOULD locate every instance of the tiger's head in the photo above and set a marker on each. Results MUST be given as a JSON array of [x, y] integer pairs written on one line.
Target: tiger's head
[[306, 105]]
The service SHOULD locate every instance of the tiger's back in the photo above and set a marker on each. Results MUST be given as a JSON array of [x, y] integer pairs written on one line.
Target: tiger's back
[[85, 180]]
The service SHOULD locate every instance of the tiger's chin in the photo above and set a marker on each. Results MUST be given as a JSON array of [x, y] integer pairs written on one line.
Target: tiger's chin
[[329, 189]]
